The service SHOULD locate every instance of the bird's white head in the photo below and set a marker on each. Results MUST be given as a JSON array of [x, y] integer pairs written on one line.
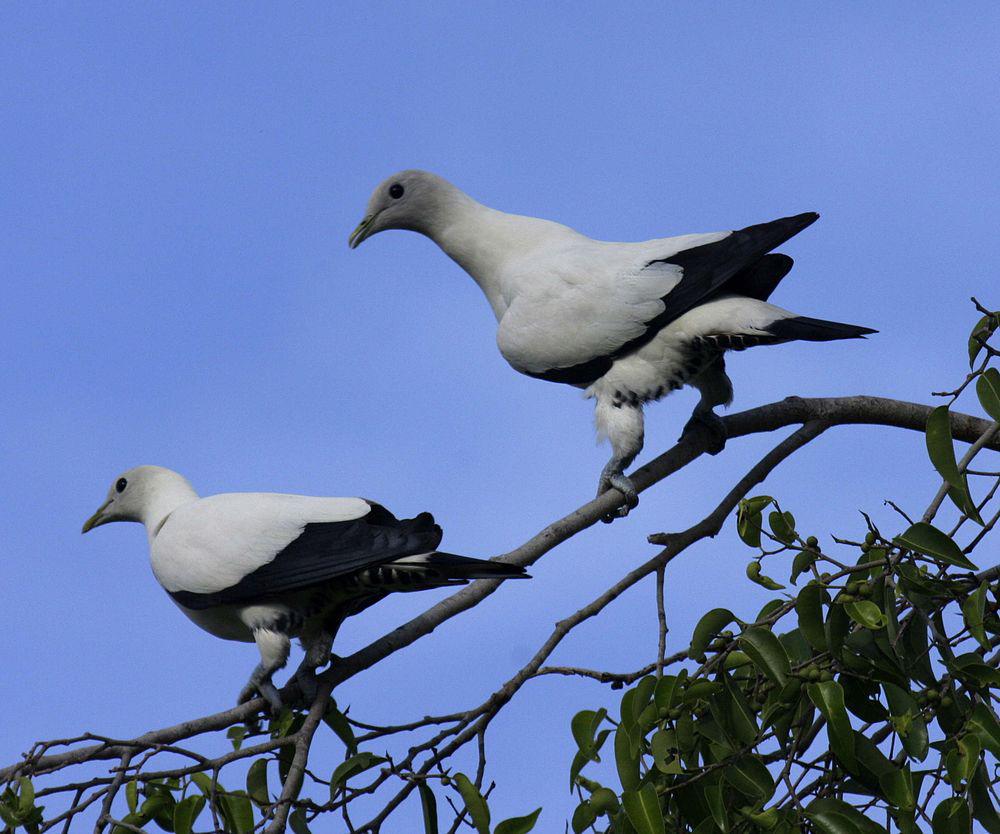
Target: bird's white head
[[414, 200], [145, 494]]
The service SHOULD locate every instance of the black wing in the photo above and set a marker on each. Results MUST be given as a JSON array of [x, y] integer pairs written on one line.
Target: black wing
[[324, 551], [707, 269]]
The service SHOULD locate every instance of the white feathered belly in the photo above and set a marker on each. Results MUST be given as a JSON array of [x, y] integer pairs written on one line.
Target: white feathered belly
[[685, 348], [665, 364]]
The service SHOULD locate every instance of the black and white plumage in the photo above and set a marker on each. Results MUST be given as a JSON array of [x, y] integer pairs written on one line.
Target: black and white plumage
[[626, 322], [266, 567]]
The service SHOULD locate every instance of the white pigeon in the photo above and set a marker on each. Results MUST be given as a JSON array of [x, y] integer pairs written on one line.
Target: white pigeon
[[627, 322], [265, 568]]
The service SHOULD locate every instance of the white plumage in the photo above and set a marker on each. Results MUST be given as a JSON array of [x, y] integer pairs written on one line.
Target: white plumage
[[267, 567], [627, 322]]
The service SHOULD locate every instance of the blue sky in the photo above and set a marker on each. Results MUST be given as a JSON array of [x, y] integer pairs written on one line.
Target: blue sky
[[178, 185]]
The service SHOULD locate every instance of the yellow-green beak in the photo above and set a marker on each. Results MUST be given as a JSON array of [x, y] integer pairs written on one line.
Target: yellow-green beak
[[97, 519], [361, 232]]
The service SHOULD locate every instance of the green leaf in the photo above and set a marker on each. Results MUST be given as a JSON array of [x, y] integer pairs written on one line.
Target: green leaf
[[337, 721], [757, 503], [767, 653], [980, 333], [988, 389], [132, 795], [205, 783], [717, 805], [626, 760], [297, 822], [257, 783], [809, 608], [927, 539], [973, 610], [748, 519], [983, 722], [767, 609], [941, 449], [907, 720], [238, 811], [474, 803], [962, 760], [782, 526], [836, 627], [802, 562], [280, 725], [861, 698], [26, 796], [982, 806], [643, 692], [186, 812], [236, 734], [667, 693], [642, 808], [750, 777], [708, 627], [898, 788], [754, 575], [829, 699], [584, 726], [834, 816], [866, 613], [428, 805], [951, 817], [971, 665], [518, 825], [583, 817], [660, 747], [352, 767]]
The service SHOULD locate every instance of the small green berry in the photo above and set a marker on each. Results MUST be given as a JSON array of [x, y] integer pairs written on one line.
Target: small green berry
[[870, 538], [812, 541], [947, 701]]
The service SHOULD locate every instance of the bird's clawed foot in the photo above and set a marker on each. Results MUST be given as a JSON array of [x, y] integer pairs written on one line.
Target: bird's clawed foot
[[710, 425], [616, 479], [266, 689], [307, 678]]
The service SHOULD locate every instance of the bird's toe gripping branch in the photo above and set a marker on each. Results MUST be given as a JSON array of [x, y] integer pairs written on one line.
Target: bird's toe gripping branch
[[260, 684], [614, 478], [274, 647]]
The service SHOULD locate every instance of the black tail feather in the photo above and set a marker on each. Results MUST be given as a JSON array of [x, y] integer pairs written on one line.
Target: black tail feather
[[816, 330], [454, 566], [710, 268]]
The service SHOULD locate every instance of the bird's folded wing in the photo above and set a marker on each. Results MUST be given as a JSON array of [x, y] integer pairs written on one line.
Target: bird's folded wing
[[605, 302], [573, 314], [239, 549]]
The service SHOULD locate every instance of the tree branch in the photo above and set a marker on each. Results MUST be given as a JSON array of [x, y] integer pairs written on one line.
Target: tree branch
[[822, 412]]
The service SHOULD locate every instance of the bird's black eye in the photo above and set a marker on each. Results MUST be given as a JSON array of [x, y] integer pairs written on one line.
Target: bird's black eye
[[395, 191], [120, 486]]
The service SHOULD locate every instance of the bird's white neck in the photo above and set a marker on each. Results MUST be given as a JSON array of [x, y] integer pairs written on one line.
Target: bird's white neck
[[484, 241], [167, 497]]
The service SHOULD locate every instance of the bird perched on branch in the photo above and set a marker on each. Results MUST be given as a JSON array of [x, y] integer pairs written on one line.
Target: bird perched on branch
[[626, 322], [266, 568]]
